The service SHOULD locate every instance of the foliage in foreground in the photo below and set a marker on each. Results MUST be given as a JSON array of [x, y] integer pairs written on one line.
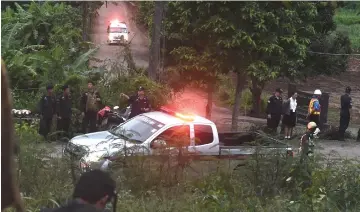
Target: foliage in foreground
[[263, 185]]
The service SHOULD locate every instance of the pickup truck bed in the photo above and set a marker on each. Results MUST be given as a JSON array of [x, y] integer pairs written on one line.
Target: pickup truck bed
[[243, 144], [236, 138]]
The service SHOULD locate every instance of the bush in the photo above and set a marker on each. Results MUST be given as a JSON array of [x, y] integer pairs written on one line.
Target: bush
[[111, 89], [43, 180]]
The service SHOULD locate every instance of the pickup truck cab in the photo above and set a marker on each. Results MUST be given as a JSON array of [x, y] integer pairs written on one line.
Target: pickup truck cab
[[145, 133]]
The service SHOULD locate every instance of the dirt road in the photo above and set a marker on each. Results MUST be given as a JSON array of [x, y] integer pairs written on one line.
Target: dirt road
[[139, 41]]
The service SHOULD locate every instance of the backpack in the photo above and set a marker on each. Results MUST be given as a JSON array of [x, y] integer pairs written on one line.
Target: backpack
[[91, 103]]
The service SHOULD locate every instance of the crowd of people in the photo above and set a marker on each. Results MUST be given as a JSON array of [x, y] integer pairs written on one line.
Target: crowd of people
[[285, 111], [91, 104]]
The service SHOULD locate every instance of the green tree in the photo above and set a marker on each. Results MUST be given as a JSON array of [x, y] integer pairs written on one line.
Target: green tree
[[258, 40], [42, 42], [326, 41]]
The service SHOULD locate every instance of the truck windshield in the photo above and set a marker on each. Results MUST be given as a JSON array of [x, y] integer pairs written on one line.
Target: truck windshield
[[138, 129], [117, 30]]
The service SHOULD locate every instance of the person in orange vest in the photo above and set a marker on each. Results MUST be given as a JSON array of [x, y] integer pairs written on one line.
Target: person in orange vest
[[315, 108]]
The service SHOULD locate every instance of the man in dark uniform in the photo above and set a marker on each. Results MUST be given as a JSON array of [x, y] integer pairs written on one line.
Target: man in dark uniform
[[93, 192], [64, 111], [139, 102], [47, 108], [274, 110], [90, 105], [346, 105]]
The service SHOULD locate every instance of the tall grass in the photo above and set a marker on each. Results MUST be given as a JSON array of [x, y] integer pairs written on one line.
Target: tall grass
[[348, 21], [177, 183]]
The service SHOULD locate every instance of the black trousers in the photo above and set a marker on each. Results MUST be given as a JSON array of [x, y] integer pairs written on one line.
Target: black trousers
[[45, 126], [273, 122], [316, 119], [344, 124], [63, 125], [89, 119]]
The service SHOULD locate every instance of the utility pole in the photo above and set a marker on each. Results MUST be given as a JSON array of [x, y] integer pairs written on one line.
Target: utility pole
[[154, 58]]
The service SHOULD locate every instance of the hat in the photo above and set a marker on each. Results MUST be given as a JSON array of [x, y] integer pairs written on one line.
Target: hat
[[279, 90], [311, 125], [141, 88], [48, 87], [317, 92], [65, 87]]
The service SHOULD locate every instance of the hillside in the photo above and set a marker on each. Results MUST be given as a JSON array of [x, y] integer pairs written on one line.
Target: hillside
[[348, 21]]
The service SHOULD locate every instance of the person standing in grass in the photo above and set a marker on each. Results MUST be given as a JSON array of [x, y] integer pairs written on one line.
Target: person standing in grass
[[93, 192], [64, 112], [289, 118], [90, 105], [47, 109]]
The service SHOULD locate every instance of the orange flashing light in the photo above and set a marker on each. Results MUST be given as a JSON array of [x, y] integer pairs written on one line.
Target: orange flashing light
[[178, 115], [185, 117]]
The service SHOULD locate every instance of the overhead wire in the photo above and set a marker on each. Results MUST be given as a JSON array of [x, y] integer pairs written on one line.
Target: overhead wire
[[334, 54]]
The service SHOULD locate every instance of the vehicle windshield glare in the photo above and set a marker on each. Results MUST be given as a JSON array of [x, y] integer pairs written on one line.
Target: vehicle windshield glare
[[118, 30], [139, 129]]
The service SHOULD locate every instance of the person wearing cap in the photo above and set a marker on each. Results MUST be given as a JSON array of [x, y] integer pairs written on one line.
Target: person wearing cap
[[90, 104], [92, 193], [306, 141], [346, 105], [64, 112], [139, 102], [47, 109], [274, 110], [306, 152], [315, 108]]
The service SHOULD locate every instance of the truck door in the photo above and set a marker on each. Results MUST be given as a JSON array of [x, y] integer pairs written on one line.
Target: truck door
[[204, 140], [174, 137]]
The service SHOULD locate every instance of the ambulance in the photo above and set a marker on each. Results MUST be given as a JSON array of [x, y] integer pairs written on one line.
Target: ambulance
[[117, 32]]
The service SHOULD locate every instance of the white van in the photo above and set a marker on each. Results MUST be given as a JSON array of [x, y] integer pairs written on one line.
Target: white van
[[117, 32]]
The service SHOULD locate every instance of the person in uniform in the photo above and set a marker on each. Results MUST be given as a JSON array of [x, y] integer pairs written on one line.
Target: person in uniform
[[274, 110], [64, 111], [47, 108], [139, 102], [90, 105], [315, 108], [346, 105]]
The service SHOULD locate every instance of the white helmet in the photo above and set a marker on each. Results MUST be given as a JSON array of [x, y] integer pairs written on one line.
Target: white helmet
[[317, 92]]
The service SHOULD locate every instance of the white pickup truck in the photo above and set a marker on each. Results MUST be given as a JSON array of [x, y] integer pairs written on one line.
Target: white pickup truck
[[147, 132]]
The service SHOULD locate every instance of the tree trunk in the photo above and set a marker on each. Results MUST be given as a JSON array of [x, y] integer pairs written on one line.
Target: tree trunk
[[256, 90], [210, 92], [240, 81], [155, 40], [84, 20]]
